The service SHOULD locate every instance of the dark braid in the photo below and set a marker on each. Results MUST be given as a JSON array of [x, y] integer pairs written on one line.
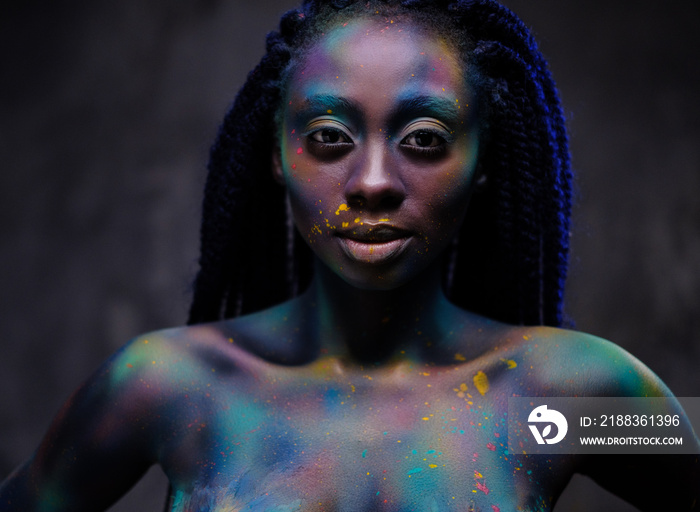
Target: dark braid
[[240, 192], [524, 215], [512, 256]]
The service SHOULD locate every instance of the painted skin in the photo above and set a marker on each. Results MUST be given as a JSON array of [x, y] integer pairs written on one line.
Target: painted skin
[[370, 391]]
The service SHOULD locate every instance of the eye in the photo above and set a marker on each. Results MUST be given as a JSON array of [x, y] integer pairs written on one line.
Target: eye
[[423, 139], [329, 136], [327, 143], [425, 144]]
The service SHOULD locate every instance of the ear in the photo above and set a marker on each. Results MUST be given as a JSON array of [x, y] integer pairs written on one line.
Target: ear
[[277, 173]]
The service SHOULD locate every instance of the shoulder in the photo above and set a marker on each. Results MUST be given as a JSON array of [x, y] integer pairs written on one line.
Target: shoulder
[[132, 388], [138, 386], [578, 364], [566, 363], [167, 358]]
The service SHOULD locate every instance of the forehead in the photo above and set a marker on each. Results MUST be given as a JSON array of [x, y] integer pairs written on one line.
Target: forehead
[[380, 57]]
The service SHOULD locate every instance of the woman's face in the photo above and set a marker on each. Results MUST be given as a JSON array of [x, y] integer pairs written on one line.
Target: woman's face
[[378, 145]]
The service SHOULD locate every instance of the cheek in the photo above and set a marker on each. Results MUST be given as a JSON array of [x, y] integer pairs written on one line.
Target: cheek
[[444, 197], [307, 209], [455, 182], [458, 187], [311, 198]]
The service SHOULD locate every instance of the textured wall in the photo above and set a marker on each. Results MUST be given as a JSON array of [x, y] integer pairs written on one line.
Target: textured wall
[[107, 113]]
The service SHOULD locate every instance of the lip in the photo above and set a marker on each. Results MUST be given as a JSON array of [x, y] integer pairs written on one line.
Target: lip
[[373, 243]]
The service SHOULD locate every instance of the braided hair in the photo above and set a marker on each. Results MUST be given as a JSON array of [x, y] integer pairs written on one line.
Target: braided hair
[[510, 259]]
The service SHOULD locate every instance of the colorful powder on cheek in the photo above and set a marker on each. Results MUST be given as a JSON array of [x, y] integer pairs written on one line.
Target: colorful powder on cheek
[[342, 208], [299, 151]]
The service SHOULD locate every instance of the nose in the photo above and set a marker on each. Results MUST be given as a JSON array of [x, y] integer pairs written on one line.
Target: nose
[[375, 181]]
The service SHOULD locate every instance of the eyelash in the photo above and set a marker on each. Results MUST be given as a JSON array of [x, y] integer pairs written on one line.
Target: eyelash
[[328, 150], [427, 151], [335, 131]]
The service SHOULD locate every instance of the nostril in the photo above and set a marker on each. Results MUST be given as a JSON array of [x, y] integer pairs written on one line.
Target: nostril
[[356, 201], [390, 202], [383, 202]]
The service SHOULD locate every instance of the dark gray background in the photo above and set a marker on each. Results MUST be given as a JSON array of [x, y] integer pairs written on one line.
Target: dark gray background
[[108, 109]]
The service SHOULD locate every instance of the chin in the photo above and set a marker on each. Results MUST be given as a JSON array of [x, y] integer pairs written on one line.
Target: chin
[[378, 283], [375, 278]]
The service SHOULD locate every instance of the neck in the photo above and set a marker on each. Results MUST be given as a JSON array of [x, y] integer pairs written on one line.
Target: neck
[[371, 326]]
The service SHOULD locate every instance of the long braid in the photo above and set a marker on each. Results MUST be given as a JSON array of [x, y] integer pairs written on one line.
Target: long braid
[[237, 195], [511, 259], [526, 159]]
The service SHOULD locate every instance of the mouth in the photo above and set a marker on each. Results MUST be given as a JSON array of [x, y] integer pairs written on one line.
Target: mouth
[[373, 243]]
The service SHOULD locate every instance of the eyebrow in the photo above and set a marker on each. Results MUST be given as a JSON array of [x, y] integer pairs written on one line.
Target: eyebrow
[[325, 102], [434, 106]]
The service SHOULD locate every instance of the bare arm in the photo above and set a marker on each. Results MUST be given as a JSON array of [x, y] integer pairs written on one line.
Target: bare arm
[[574, 364], [101, 442], [650, 482]]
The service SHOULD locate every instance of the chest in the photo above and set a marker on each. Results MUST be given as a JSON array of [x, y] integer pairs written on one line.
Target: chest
[[433, 442]]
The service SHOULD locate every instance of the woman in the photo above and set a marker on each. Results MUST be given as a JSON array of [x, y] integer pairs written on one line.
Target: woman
[[419, 150]]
